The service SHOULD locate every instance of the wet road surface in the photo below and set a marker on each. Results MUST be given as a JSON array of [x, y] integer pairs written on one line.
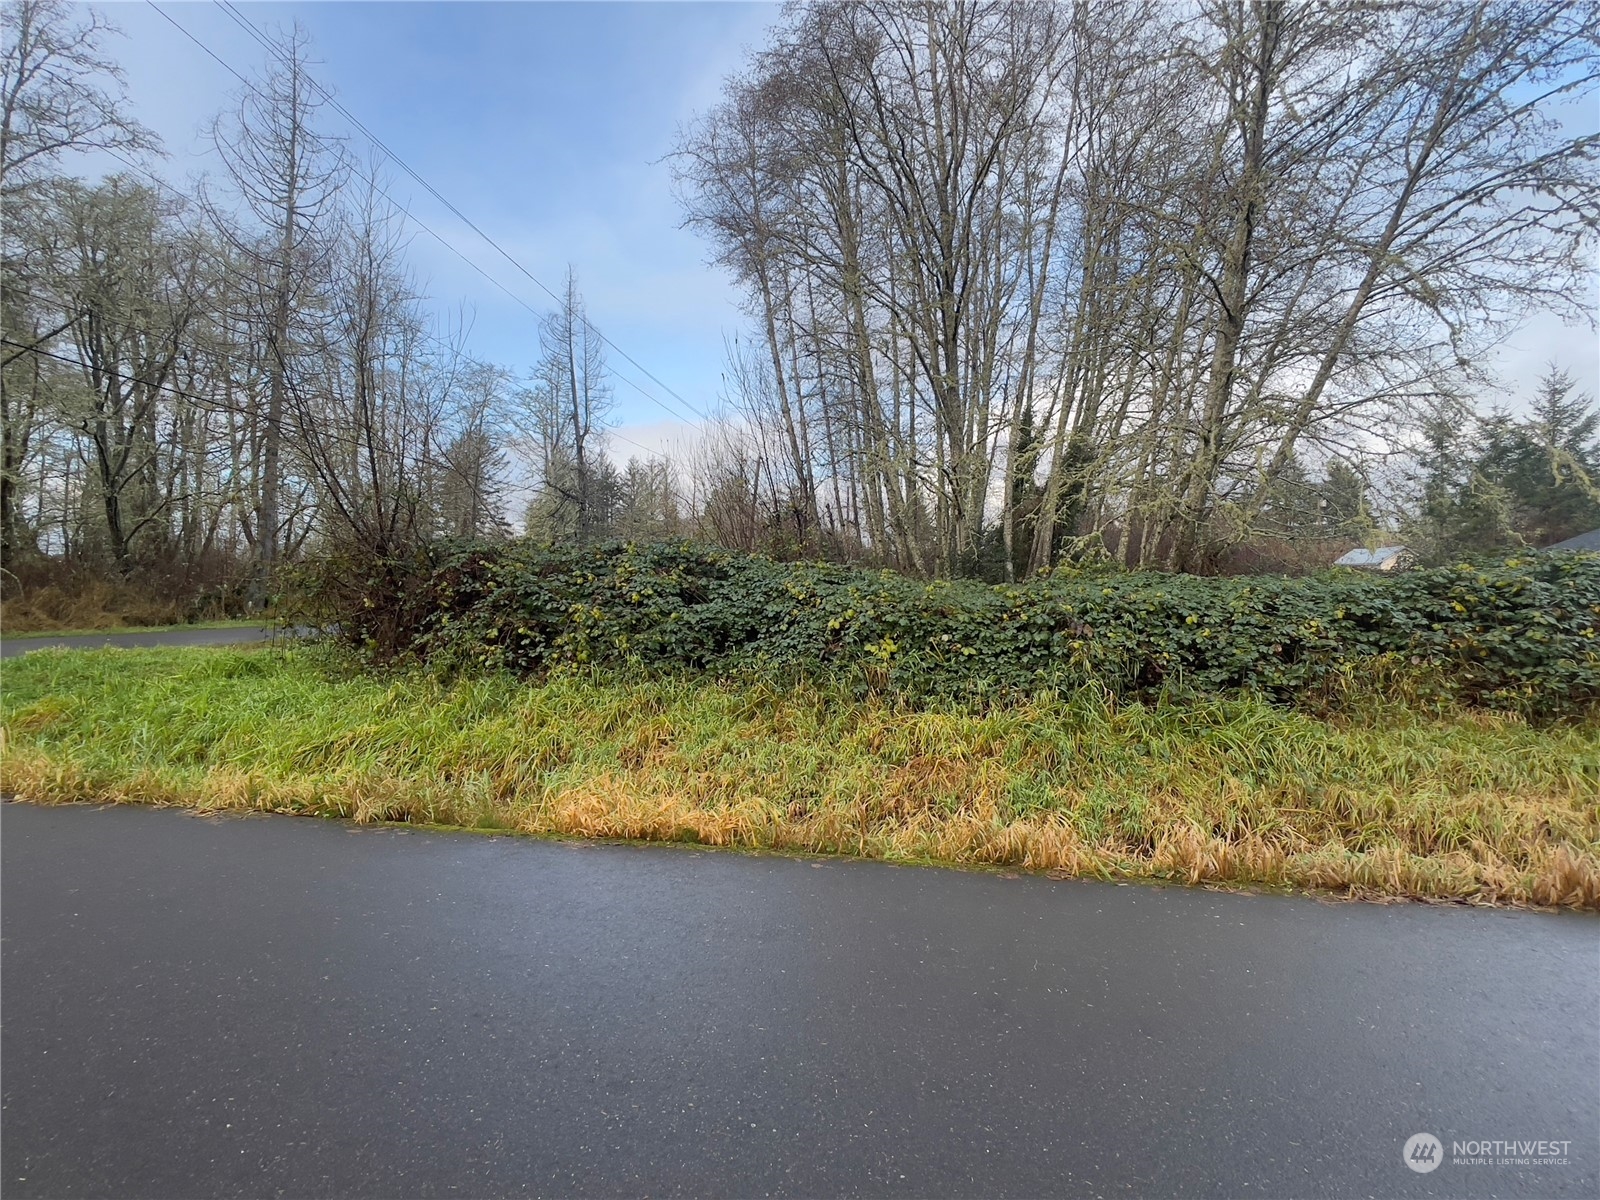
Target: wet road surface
[[11, 647], [279, 1006]]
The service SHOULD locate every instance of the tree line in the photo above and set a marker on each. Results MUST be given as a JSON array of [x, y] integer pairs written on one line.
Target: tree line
[[1028, 283], [200, 384], [1036, 280]]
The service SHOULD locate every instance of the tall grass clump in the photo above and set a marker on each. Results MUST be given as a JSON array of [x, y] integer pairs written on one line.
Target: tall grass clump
[[1383, 798]]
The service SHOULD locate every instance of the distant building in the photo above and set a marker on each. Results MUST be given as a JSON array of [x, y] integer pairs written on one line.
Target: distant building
[[1584, 541], [1384, 558]]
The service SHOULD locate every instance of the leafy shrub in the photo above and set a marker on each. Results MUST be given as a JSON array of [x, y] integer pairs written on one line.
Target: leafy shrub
[[1522, 635]]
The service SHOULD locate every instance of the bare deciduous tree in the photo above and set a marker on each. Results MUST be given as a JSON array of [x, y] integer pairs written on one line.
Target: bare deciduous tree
[[288, 176]]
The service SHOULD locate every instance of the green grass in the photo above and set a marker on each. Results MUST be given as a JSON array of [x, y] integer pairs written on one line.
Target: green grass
[[259, 623], [1235, 791]]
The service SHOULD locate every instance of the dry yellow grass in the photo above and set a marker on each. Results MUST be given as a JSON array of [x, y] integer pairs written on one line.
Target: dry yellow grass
[[86, 606], [1230, 792]]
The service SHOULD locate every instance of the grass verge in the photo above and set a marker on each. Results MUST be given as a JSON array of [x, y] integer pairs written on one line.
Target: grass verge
[[1235, 791]]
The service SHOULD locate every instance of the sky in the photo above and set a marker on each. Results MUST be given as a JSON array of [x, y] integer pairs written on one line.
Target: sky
[[547, 124]]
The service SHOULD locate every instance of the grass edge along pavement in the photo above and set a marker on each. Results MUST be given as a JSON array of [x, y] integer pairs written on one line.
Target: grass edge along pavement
[[119, 630], [1388, 802]]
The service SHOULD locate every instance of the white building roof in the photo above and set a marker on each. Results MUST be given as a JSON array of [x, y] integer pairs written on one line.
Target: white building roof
[[1369, 558]]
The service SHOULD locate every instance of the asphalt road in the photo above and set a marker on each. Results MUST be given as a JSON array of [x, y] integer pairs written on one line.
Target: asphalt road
[[278, 1006], [11, 647]]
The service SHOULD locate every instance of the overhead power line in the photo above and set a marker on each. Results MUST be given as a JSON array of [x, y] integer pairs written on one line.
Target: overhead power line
[[38, 341], [406, 212], [383, 147]]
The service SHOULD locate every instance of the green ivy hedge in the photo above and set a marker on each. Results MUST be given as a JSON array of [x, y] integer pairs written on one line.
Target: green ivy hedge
[[1522, 635]]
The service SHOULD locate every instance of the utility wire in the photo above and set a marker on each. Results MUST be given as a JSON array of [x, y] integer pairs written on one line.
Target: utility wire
[[152, 178], [39, 341], [404, 210], [338, 106]]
